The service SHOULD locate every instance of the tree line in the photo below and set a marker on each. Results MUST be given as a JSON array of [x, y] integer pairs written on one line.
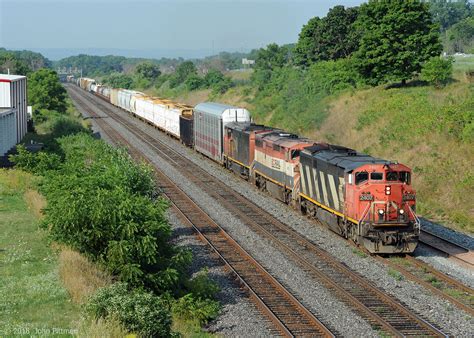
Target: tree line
[[385, 40]]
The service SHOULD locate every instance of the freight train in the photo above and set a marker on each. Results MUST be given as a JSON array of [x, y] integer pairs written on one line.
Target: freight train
[[368, 200]]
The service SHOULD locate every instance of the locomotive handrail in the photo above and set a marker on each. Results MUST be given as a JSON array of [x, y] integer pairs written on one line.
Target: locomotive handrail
[[365, 213], [417, 220]]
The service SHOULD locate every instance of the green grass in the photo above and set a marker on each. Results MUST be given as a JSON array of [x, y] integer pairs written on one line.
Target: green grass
[[395, 274], [189, 328], [463, 64], [359, 253], [32, 295]]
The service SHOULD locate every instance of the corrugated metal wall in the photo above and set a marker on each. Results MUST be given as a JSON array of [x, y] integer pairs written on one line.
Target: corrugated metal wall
[[8, 131], [14, 94]]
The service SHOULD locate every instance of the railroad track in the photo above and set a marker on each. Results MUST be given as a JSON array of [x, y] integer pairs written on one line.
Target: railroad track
[[454, 251], [382, 311], [444, 286], [289, 317]]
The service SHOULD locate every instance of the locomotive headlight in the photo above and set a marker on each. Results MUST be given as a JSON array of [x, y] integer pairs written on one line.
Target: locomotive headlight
[[401, 211], [381, 211], [388, 190]]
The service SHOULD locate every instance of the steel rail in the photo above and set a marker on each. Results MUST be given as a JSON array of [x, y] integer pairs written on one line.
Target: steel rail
[[289, 316], [374, 304], [452, 250]]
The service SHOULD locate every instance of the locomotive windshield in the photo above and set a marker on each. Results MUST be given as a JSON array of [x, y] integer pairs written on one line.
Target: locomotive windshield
[[392, 176], [402, 176], [361, 176], [405, 177], [376, 176], [295, 153]]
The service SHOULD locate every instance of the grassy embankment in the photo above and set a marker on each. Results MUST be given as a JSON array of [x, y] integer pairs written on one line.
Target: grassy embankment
[[33, 298], [418, 126]]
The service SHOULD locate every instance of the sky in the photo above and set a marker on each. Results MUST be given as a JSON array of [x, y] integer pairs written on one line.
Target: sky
[[187, 28]]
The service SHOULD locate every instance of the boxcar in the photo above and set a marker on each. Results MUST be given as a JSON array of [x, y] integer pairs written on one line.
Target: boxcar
[[209, 121], [124, 98], [239, 146]]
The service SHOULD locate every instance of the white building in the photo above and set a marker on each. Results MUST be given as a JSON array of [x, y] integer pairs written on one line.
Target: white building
[[13, 94], [8, 136]]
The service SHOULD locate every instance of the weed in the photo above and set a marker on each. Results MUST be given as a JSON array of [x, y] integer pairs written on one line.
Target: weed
[[359, 253], [434, 281], [395, 274]]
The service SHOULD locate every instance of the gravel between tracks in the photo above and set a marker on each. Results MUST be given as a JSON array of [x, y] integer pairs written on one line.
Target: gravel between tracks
[[238, 317], [328, 309], [450, 319]]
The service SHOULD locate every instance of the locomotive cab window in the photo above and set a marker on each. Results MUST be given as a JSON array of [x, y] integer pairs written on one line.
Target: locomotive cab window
[[376, 176], [405, 177], [361, 176], [295, 153], [258, 143], [392, 176]]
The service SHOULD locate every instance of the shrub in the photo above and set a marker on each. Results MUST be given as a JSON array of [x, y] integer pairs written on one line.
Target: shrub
[[194, 82], [191, 307], [222, 86], [38, 163], [437, 71], [202, 286], [138, 311], [213, 77], [329, 77], [104, 205]]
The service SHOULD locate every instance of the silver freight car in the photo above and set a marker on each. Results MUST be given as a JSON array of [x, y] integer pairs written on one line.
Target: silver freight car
[[209, 121]]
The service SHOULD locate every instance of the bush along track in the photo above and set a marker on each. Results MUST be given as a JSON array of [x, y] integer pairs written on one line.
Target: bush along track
[[104, 205]]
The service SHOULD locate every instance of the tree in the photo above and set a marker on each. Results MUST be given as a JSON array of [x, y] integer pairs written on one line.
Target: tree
[[119, 80], [460, 37], [194, 82], [437, 71], [10, 63], [213, 77], [94, 65], [272, 57], [447, 13], [183, 71], [46, 92], [306, 50], [330, 38], [397, 37], [268, 60], [148, 70]]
